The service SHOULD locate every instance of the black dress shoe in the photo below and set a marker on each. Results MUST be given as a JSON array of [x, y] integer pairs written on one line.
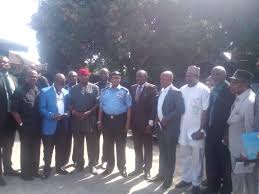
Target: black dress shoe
[[2, 181], [45, 175], [195, 190], [166, 184], [147, 176], [11, 172], [123, 173], [157, 178], [135, 173], [92, 170], [61, 171], [183, 184], [106, 172], [27, 178]]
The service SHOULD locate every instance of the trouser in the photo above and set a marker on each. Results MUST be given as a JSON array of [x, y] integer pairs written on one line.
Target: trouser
[[7, 149], [1, 155], [114, 133], [218, 167], [104, 157], [243, 183], [167, 155], [192, 166], [143, 141], [68, 144], [78, 151], [30, 153], [56, 140]]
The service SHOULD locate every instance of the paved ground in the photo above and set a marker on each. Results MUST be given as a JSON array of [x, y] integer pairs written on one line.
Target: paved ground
[[83, 183]]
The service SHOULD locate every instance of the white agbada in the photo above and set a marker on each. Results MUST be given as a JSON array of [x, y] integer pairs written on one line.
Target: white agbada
[[196, 100]]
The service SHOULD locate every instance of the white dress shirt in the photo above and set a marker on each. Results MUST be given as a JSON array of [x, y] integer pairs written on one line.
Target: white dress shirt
[[161, 99], [60, 102]]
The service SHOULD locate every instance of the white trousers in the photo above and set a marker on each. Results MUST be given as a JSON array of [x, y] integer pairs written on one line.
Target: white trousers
[[192, 166], [244, 183]]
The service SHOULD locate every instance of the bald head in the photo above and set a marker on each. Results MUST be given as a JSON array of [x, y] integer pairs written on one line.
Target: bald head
[[218, 74], [72, 78], [59, 81], [166, 78], [104, 74], [141, 77]]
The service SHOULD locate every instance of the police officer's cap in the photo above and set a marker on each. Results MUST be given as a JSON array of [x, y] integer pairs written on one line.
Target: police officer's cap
[[116, 73]]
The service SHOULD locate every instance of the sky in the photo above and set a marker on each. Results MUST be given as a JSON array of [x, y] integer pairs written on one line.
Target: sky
[[15, 17]]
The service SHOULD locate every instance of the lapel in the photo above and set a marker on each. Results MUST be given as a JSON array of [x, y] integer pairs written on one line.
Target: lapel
[[143, 93], [166, 100]]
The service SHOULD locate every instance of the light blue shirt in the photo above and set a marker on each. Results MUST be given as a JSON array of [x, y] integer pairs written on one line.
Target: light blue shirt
[[115, 101]]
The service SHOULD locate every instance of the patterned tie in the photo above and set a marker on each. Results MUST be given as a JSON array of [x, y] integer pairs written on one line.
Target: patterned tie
[[138, 92]]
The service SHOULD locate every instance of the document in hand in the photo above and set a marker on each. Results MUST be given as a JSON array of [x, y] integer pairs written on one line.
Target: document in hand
[[251, 144]]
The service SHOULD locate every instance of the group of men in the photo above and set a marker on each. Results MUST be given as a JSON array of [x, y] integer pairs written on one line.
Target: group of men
[[206, 122]]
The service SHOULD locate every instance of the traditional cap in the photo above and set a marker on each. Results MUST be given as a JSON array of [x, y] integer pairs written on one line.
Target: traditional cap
[[84, 71], [243, 76], [193, 70]]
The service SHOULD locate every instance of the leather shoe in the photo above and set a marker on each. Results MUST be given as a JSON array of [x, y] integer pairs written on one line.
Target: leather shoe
[[106, 172], [147, 176], [135, 173], [61, 171], [78, 169], [183, 184], [45, 175], [11, 172], [166, 184], [92, 170], [195, 190], [123, 173], [2, 181], [157, 178]]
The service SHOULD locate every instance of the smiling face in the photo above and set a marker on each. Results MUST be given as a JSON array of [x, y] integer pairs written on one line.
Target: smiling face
[[166, 79], [4, 64]]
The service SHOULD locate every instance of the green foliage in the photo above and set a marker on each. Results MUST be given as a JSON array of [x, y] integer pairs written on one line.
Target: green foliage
[[151, 34]]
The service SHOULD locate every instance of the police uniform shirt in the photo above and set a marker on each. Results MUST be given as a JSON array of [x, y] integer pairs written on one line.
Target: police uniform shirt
[[25, 101], [84, 99], [115, 101]]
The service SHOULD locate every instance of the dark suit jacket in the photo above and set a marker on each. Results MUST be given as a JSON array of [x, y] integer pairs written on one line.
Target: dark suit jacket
[[142, 110], [221, 112], [173, 108], [3, 103]]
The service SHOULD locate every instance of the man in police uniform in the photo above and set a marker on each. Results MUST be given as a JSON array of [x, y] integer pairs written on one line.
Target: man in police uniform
[[24, 107], [114, 118]]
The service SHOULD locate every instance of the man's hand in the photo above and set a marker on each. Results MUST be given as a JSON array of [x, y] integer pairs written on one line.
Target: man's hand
[[198, 135], [99, 125], [163, 122], [87, 113], [56, 116], [225, 140]]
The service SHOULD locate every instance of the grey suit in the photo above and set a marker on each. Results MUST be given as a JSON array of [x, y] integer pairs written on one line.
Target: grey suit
[[172, 109]]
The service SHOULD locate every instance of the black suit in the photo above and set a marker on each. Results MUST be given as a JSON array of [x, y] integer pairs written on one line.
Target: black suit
[[141, 114], [172, 109], [7, 123], [218, 162]]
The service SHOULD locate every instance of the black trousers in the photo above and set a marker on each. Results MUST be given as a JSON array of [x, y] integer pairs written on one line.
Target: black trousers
[[167, 155], [218, 167], [78, 151], [114, 133], [143, 150], [56, 140], [104, 157], [68, 145], [8, 142], [30, 153]]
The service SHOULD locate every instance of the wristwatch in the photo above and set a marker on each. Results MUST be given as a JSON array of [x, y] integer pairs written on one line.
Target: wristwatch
[[21, 124]]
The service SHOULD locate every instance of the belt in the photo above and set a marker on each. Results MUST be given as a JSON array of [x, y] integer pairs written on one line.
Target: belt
[[114, 116]]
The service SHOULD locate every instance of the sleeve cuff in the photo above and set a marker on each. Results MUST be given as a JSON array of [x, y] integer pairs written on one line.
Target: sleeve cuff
[[151, 123]]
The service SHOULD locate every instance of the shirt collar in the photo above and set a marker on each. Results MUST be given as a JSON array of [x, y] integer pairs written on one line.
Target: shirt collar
[[118, 87], [56, 90], [167, 88]]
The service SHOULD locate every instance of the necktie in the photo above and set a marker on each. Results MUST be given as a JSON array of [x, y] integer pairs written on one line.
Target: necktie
[[138, 92]]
